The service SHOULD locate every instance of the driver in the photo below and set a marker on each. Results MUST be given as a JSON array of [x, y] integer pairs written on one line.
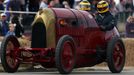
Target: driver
[[85, 5], [104, 18]]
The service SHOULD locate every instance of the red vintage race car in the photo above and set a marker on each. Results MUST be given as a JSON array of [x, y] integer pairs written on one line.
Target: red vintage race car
[[65, 39]]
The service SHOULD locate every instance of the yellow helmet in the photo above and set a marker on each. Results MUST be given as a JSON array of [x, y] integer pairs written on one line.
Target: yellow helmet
[[85, 5], [102, 6]]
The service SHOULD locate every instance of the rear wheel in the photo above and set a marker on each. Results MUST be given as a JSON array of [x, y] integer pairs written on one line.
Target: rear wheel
[[9, 59], [65, 54], [116, 55]]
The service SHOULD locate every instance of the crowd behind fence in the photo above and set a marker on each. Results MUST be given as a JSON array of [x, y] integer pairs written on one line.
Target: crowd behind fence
[[121, 10], [26, 18], [123, 16]]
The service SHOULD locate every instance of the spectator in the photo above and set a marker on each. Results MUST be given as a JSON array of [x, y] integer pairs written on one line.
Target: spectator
[[114, 10], [1, 5], [93, 6], [57, 4], [65, 4], [51, 4], [11, 29], [23, 5], [6, 2], [14, 5], [44, 4], [19, 30], [33, 5], [130, 26], [70, 2], [121, 8], [3, 24], [129, 8], [76, 5]]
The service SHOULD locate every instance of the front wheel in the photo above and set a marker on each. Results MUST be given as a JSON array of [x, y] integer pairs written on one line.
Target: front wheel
[[116, 55], [9, 59], [65, 54]]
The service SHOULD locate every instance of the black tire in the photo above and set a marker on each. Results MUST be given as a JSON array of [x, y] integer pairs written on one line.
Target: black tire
[[9, 62], [116, 55], [65, 60]]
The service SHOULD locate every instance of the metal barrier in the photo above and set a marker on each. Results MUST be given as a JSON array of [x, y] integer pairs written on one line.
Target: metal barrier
[[25, 18], [120, 16], [19, 12]]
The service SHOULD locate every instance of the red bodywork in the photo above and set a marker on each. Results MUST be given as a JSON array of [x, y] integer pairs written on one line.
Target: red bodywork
[[86, 34], [80, 25]]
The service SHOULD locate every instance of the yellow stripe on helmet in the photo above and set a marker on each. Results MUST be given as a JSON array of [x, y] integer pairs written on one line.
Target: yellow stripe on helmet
[[102, 4]]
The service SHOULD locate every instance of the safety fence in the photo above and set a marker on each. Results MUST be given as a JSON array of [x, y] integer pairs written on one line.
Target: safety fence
[[25, 18], [121, 17]]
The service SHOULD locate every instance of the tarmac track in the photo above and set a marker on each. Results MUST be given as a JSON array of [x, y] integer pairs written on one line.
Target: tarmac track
[[83, 71]]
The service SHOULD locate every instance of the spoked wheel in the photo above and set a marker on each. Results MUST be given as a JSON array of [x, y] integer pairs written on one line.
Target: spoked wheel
[[116, 55], [65, 54], [9, 59]]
